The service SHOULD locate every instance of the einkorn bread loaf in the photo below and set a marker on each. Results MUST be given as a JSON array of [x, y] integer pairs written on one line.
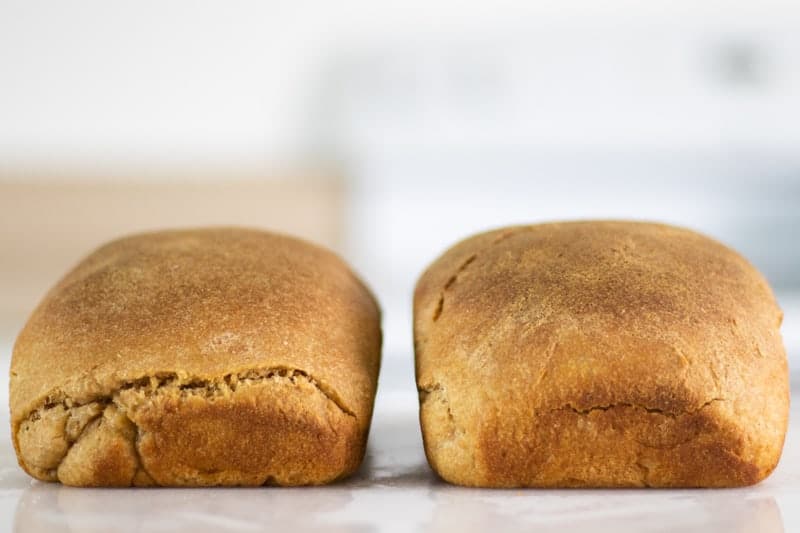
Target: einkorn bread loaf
[[198, 357], [599, 354]]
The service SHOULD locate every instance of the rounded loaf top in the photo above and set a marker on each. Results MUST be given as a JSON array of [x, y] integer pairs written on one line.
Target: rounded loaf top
[[203, 303], [625, 273]]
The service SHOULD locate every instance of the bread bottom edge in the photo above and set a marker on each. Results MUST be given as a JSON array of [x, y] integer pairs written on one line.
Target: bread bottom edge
[[618, 446], [276, 427]]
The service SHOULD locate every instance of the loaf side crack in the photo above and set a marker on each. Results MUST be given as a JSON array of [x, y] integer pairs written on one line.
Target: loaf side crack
[[151, 385], [654, 410]]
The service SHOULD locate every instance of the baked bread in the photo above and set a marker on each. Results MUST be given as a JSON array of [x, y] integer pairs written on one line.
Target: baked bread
[[199, 357], [599, 354]]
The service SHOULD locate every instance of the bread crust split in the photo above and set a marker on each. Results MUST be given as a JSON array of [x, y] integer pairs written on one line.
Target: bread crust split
[[203, 357], [599, 354]]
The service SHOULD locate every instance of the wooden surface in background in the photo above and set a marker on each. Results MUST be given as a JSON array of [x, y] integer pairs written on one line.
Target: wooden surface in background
[[47, 227]]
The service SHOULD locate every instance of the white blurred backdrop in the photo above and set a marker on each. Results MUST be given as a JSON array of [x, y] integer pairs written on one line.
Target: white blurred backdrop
[[440, 119]]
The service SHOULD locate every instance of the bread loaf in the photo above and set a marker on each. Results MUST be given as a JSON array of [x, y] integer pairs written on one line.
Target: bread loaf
[[599, 354], [199, 357]]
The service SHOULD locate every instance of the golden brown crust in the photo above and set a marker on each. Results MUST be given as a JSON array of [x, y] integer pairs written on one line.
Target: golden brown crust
[[599, 354], [200, 357]]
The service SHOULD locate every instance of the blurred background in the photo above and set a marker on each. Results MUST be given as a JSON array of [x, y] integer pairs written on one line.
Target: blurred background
[[390, 130]]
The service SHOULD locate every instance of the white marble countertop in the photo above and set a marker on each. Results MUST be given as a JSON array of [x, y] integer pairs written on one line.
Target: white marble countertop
[[395, 491]]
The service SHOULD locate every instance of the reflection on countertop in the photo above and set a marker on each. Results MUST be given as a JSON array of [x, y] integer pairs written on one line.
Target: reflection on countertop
[[425, 506]]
